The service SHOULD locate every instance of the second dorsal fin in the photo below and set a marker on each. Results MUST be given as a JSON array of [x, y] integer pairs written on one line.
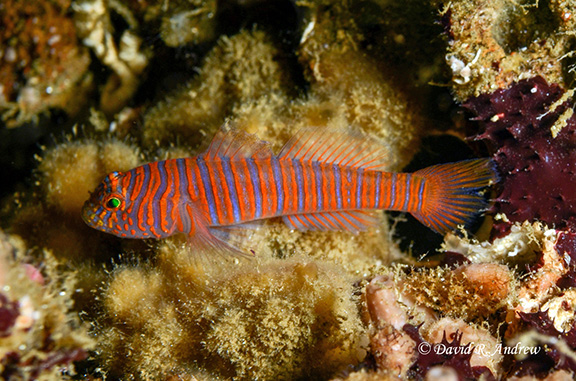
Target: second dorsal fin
[[234, 143], [342, 147]]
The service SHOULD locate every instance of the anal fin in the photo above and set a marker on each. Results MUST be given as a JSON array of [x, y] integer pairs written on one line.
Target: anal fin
[[210, 241], [352, 221], [218, 242]]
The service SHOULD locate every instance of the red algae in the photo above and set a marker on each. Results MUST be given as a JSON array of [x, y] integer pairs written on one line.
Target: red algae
[[537, 169]]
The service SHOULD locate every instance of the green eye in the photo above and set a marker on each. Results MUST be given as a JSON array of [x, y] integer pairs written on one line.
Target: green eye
[[113, 203]]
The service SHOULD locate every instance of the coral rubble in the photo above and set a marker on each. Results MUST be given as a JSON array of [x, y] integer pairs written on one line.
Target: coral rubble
[[43, 65], [40, 335], [493, 44]]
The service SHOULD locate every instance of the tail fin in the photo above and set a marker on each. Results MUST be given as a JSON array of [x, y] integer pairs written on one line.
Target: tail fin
[[455, 193]]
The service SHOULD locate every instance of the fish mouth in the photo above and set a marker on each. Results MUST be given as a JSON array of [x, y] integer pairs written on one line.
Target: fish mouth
[[88, 214]]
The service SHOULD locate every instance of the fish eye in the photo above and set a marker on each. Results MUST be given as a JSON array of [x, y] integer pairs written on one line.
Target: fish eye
[[113, 203]]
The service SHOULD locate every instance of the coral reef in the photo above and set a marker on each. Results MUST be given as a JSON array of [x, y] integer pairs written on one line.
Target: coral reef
[[409, 337], [493, 44], [161, 78], [40, 337], [43, 65]]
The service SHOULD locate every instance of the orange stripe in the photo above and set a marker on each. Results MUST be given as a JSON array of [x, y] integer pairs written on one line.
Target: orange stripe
[[190, 166], [251, 190], [331, 222], [295, 188], [299, 219], [125, 180], [318, 149], [331, 188], [386, 187], [162, 197], [138, 172], [213, 177], [329, 148], [400, 191], [240, 188], [140, 211], [311, 182], [265, 201], [177, 192], [353, 186], [326, 194], [344, 217], [155, 173], [345, 186], [314, 205], [323, 190], [200, 185], [305, 184], [113, 221], [226, 196], [396, 195], [348, 163], [364, 165], [285, 174], [269, 195], [372, 190], [309, 148], [272, 186], [413, 201], [313, 224], [364, 190], [287, 154], [334, 150]]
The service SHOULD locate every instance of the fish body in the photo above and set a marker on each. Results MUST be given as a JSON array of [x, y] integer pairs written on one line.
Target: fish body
[[319, 181]]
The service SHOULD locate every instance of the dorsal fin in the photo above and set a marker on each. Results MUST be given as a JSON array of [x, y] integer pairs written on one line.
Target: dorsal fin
[[234, 143], [342, 147]]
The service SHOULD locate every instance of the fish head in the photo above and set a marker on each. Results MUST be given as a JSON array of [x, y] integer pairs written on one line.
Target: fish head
[[108, 207]]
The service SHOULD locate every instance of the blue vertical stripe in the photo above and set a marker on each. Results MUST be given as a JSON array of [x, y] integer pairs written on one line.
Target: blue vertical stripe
[[420, 195], [131, 185], [299, 181], [278, 180], [181, 165], [318, 176], [407, 192], [377, 192], [194, 180], [207, 188], [348, 188], [392, 191], [337, 185], [359, 185], [256, 185], [155, 198], [170, 198], [229, 178]]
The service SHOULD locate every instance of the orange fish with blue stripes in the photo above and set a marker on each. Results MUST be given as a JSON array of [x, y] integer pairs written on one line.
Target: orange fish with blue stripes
[[321, 180]]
